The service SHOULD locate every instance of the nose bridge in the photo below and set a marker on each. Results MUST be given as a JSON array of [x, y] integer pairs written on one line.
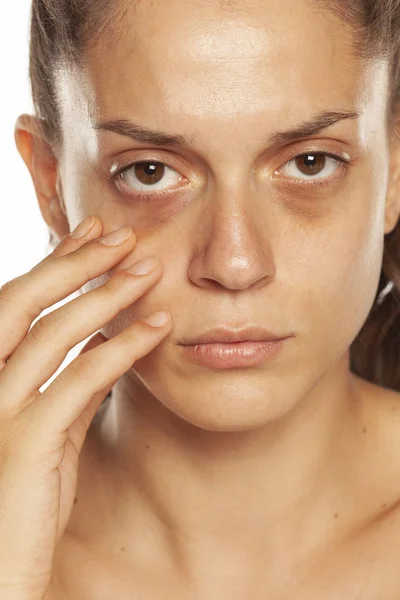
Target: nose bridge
[[232, 246], [234, 224]]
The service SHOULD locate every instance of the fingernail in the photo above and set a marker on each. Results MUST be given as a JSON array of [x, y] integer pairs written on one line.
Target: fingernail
[[143, 266], [115, 238], [83, 228], [158, 319]]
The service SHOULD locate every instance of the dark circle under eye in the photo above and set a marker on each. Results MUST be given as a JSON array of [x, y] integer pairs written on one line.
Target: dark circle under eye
[[149, 172], [310, 164]]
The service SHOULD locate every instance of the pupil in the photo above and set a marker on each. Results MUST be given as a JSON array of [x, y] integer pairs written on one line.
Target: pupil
[[151, 167], [311, 158]]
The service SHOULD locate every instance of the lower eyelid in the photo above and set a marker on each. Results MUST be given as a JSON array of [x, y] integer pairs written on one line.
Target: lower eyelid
[[146, 197]]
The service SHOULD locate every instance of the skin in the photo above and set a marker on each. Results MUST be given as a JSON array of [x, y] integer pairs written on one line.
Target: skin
[[173, 462]]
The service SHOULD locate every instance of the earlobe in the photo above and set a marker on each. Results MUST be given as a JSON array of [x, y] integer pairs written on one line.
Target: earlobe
[[391, 220], [392, 210]]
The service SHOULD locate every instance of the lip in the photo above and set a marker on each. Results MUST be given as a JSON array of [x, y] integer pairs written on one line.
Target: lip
[[233, 355], [227, 348], [226, 335]]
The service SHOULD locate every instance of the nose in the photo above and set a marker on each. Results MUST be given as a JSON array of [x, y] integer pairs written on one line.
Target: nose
[[231, 248]]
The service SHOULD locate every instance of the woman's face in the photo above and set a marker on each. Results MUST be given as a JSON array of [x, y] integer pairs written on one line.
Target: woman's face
[[247, 233]]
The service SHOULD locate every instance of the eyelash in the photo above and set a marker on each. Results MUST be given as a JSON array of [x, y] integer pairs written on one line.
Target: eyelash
[[322, 182]]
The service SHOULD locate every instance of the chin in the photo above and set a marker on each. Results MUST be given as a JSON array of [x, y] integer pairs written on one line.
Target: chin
[[234, 399], [232, 407], [230, 400]]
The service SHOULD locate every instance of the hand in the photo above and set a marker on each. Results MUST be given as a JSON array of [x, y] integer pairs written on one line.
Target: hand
[[42, 434]]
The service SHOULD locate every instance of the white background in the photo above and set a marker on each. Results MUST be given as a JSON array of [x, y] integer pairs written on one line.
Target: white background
[[23, 232]]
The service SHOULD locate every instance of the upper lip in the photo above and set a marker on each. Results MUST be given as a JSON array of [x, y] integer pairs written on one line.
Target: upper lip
[[224, 335]]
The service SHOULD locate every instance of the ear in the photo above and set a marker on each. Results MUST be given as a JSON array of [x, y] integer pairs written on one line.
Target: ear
[[392, 210], [43, 167]]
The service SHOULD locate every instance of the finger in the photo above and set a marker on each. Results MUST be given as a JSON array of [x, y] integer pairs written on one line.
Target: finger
[[24, 298], [45, 347], [69, 242], [71, 392]]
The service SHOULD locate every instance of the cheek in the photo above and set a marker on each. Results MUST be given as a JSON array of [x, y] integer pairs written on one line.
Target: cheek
[[165, 294], [347, 280]]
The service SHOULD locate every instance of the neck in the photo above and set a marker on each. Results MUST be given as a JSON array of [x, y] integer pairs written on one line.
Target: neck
[[254, 496]]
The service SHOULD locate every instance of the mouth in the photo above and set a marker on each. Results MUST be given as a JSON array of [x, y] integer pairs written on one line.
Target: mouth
[[229, 355]]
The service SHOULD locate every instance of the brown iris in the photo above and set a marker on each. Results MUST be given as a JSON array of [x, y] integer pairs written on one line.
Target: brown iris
[[310, 164], [149, 172]]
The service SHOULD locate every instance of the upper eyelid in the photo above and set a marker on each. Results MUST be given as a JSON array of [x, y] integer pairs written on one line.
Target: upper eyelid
[[118, 169], [332, 156], [342, 162]]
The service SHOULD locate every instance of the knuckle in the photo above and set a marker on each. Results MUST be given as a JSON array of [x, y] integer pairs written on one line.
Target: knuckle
[[40, 331], [82, 369], [49, 326], [10, 289], [12, 284]]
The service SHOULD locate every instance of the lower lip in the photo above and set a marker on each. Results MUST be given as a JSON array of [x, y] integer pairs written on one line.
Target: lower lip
[[237, 354]]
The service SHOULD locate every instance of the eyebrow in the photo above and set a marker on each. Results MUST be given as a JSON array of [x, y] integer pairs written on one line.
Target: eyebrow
[[145, 135]]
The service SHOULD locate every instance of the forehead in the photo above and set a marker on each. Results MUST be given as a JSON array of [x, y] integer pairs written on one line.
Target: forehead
[[221, 60], [187, 47]]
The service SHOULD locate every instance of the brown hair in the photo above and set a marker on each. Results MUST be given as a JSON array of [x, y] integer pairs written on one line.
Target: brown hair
[[62, 30]]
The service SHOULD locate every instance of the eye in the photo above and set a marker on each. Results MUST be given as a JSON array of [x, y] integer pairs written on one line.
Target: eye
[[150, 176], [312, 164]]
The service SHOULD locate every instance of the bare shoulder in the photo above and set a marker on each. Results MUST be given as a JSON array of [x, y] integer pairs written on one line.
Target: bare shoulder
[[376, 466], [380, 435], [365, 562]]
